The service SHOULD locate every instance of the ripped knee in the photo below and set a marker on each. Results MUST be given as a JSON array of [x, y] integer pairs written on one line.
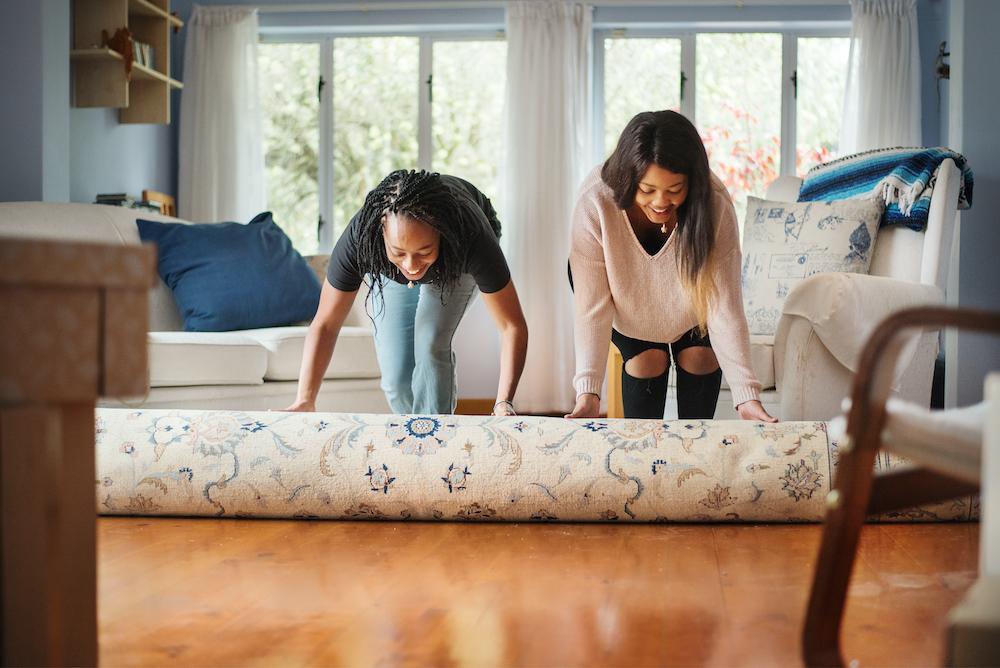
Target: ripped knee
[[647, 364], [698, 360]]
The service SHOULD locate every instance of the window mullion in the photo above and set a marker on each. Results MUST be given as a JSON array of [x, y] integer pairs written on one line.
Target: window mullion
[[325, 167], [789, 65], [425, 137], [688, 75]]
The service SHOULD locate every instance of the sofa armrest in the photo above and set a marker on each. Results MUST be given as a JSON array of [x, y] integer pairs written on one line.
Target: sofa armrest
[[844, 308], [357, 316]]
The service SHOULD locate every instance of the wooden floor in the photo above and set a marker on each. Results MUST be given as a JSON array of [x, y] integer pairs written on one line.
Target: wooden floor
[[289, 593]]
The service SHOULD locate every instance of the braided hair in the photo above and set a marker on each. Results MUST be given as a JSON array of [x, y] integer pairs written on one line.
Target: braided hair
[[421, 195]]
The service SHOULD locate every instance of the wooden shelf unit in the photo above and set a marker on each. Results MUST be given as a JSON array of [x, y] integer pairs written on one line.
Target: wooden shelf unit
[[99, 78]]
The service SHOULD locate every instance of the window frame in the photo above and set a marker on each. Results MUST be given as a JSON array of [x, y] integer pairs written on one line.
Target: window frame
[[790, 33], [686, 32], [327, 120]]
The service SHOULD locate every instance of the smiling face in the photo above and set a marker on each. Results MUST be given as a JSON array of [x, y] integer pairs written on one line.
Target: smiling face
[[660, 193], [410, 244]]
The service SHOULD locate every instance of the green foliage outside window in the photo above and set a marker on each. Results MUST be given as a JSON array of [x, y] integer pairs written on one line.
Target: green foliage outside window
[[374, 116], [469, 79], [288, 77]]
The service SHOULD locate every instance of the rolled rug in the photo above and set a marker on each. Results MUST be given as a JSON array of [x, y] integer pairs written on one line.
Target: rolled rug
[[449, 467]]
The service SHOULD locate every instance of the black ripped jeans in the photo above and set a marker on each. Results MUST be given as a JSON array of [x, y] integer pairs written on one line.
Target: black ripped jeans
[[697, 394]]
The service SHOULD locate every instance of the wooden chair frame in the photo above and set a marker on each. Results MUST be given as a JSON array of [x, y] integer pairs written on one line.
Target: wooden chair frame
[[858, 492], [168, 206]]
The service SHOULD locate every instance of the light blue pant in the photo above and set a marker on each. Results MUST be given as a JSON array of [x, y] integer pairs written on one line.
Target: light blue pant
[[413, 335]]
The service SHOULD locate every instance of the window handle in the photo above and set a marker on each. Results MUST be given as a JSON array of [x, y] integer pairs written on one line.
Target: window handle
[[319, 89], [795, 84], [430, 88], [683, 81]]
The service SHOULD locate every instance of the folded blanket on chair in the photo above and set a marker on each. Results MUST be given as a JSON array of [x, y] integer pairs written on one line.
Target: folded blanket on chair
[[903, 177], [450, 467]]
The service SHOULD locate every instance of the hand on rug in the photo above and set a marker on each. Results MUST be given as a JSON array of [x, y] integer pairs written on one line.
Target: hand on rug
[[754, 410], [503, 407], [587, 405], [300, 406]]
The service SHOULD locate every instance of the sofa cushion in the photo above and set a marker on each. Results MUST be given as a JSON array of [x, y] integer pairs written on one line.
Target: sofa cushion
[[231, 276], [786, 242], [353, 356], [205, 358], [96, 223]]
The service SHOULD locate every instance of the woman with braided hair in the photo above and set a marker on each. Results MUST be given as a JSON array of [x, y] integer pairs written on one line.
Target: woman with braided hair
[[424, 243]]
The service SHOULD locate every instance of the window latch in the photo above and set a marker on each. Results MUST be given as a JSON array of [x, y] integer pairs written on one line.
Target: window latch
[[683, 81], [795, 84], [430, 88], [319, 89]]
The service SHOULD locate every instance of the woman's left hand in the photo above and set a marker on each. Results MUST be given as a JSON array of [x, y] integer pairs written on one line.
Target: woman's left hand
[[754, 410]]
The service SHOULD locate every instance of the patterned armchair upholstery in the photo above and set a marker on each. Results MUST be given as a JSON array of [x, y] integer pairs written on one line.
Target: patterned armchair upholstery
[[828, 318]]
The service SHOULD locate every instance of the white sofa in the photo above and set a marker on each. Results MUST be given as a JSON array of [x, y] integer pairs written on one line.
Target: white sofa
[[243, 370], [807, 368]]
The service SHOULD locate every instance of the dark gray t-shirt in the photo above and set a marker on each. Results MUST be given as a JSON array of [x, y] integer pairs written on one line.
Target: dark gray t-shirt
[[483, 258]]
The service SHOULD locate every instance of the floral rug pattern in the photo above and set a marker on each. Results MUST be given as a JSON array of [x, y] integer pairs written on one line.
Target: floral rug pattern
[[466, 468]]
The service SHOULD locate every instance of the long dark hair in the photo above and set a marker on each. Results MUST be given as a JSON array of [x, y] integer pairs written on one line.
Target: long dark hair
[[424, 196], [669, 140]]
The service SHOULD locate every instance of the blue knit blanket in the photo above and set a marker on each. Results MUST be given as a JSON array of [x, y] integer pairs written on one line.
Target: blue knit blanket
[[903, 177]]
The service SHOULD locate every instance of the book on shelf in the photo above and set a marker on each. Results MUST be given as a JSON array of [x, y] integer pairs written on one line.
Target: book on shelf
[[113, 199], [127, 201], [143, 54]]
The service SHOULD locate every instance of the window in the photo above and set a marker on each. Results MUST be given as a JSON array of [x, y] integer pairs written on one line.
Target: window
[[642, 75], [468, 88], [738, 110], [342, 112], [821, 80], [290, 107], [374, 116], [766, 103]]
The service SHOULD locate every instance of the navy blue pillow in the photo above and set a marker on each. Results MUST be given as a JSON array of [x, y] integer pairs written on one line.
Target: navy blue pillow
[[228, 276]]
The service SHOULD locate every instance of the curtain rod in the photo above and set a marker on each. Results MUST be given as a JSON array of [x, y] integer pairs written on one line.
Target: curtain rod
[[399, 5]]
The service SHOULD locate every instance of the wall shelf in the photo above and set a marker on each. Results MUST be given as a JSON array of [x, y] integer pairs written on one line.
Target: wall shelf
[[138, 71], [99, 77]]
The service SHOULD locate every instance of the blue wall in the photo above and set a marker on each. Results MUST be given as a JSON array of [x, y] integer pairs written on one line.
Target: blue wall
[[34, 117], [975, 85], [111, 157], [51, 151]]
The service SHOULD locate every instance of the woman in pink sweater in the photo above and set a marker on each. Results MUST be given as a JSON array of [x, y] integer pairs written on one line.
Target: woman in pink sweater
[[655, 261]]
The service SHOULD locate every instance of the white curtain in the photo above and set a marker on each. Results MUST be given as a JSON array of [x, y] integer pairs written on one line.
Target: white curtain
[[221, 154], [882, 104], [547, 156]]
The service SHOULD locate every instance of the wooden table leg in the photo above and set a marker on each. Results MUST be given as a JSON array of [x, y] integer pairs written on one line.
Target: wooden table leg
[[48, 535]]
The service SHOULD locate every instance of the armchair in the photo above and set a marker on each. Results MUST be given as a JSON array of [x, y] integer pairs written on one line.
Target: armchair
[[826, 320]]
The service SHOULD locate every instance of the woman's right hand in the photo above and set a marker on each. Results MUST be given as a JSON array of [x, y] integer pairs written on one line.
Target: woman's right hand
[[587, 406], [302, 407]]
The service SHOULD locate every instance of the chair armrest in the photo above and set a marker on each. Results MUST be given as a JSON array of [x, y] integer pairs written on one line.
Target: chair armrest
[[843, 310]]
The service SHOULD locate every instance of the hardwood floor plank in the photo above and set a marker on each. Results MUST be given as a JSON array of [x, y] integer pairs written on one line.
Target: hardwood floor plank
[[291, 593]]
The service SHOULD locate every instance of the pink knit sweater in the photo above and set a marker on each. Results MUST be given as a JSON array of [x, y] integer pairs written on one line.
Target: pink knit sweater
[[617, 282]]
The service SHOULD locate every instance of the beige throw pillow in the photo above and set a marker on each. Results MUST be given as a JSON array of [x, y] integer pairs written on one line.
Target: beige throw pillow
[[785, 242]]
